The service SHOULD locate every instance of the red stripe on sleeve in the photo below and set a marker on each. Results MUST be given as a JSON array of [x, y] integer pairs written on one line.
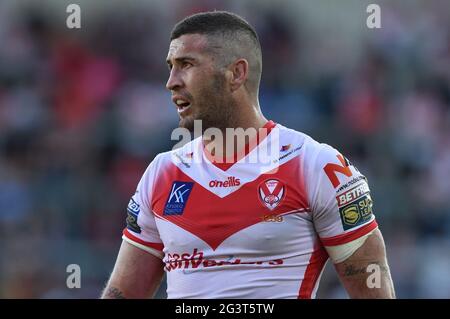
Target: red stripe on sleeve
[[130, 236], [350, 236]]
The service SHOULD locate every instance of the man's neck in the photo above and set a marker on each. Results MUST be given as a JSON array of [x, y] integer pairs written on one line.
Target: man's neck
[[234, 139]]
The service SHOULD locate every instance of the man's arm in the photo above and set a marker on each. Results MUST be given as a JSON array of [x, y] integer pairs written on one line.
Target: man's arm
[[136, 274], [355, 271]]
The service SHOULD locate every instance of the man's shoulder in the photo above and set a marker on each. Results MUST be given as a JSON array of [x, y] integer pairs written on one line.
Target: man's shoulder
[[313, 151], [309, 144], [187, 151]]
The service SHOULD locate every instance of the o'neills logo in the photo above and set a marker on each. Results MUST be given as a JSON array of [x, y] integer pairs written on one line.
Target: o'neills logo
[[230, 182], [196, 260]]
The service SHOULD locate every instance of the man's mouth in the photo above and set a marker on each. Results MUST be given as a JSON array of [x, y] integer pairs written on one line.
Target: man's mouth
[[182, 104]]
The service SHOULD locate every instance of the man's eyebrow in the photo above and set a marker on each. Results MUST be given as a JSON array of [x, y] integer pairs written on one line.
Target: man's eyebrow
[[181, 59]]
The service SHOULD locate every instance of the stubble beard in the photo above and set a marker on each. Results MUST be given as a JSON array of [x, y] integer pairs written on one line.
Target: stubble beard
[[213, 106]]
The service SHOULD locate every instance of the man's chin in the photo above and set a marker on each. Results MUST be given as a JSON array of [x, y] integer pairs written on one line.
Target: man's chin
[[187, 123]]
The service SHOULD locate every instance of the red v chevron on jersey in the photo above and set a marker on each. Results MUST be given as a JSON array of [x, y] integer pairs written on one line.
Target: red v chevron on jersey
[[204, 219]]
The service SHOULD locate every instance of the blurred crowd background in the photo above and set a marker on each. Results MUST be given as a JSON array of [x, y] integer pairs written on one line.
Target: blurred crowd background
[[84, 111]]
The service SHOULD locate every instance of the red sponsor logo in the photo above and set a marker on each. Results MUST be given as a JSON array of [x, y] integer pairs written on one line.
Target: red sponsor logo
[[190, 155], [230, 182], [196, 260], [331, 169], [284, 148]]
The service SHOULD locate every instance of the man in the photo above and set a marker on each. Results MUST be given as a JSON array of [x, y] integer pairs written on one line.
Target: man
[[236, 228]]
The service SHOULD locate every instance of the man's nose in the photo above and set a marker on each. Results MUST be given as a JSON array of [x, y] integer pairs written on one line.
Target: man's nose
[[174, 80]]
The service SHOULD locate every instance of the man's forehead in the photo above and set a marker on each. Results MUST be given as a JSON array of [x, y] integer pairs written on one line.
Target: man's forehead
[[187, 43]]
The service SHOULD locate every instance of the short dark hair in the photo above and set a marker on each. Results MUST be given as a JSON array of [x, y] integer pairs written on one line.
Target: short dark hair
[[211, 23], [238, 38]]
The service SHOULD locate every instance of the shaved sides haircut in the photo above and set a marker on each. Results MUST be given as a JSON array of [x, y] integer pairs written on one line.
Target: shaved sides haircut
[[229, 38]]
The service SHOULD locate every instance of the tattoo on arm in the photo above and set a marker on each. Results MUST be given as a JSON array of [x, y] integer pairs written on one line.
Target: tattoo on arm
[[114, 293], [361, 277], [351, 270]]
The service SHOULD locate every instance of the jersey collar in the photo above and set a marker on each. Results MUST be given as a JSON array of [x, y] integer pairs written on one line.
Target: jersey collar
[[225, 163]]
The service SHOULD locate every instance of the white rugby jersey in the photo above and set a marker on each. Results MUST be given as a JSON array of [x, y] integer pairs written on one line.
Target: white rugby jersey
[[252, 228]]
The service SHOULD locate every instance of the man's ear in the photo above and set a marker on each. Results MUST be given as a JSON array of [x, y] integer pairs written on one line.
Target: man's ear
[[238, 74]]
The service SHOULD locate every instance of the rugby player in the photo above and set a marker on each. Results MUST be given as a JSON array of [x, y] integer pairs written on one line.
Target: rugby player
[[223, 226]]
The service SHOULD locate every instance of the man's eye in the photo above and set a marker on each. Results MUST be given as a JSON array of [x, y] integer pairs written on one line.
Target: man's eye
[[186, 65]]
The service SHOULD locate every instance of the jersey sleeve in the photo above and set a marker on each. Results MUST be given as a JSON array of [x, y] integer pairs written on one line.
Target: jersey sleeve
[[339, 197], [141, 230]]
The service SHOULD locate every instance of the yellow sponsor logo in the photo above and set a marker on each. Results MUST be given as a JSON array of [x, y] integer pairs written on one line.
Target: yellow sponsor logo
[[351, 215]]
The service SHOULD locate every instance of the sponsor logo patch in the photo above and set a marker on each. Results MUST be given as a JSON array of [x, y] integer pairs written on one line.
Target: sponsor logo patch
[[190, 262], [133, 210], [331, 169], [289, 150], [190, 155], [178, 197], [285, 148], [356, 212], [352, 194]]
